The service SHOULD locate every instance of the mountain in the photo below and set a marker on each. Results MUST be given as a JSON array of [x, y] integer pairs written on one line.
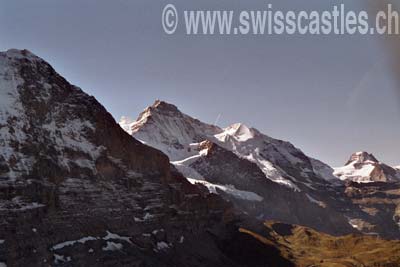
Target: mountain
[[77, 190], [264, 177], [267, 178], [164, 127], [363, 167]]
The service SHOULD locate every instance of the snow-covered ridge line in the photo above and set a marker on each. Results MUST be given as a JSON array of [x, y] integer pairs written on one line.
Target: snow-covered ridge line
[[166, 128]]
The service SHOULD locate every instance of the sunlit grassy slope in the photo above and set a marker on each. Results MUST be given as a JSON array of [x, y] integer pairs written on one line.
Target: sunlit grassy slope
[[307, 247]]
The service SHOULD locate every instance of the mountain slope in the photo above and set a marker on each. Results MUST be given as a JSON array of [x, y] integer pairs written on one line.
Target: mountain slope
[[50, 128], [76, 190]]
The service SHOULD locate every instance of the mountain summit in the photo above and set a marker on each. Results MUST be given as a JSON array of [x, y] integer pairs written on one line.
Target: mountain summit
[[361, 157], [363, 167]]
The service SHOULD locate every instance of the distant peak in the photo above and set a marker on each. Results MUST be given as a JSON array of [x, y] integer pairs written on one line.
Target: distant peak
[[239, 128], [164, 106], [159, 107], [238, 125], [240, 131], [362, 157]]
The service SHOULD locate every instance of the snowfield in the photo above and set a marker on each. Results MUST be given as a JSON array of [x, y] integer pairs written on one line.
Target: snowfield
[[350, 172]]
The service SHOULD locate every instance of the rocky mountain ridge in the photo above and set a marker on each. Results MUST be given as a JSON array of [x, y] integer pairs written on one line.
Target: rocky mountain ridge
[[274, 178], [77, 190]]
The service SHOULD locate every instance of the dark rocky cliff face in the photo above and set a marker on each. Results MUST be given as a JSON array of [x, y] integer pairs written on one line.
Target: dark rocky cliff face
[[66, 132], [76, 190]]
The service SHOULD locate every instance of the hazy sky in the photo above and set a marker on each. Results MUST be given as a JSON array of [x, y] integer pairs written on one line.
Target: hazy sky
[[329, 96]]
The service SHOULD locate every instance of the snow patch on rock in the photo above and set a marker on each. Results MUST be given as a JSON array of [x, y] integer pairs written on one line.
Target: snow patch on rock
[[229, 189], [109, 236], [82, 240], [18, 204], [162, 246], [59, 259], [112, 246], [315, 201]]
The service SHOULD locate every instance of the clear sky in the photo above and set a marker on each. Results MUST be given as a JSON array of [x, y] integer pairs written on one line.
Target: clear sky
[[329, 96]]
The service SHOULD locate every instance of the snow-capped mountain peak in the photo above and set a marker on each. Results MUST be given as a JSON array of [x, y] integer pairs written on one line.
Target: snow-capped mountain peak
[[363, 167], [361, 157], [164, 127], [239, 131]]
